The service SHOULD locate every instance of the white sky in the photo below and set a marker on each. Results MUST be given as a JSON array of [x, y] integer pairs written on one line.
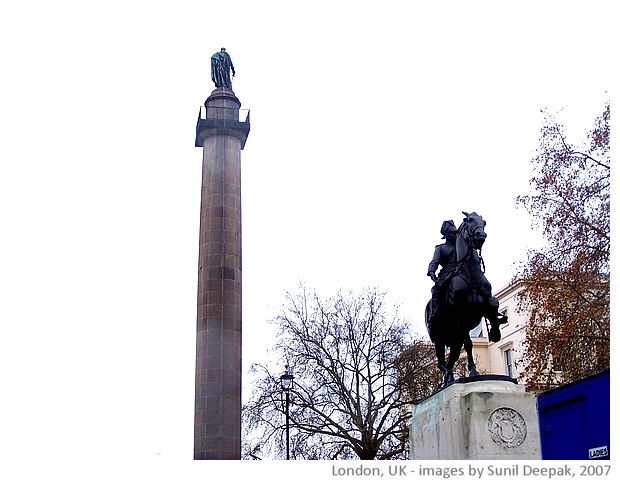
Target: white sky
[[371, 123]]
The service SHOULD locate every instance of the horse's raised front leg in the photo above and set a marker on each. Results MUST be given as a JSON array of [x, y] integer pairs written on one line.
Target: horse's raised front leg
[[496, 319], [471, 365]]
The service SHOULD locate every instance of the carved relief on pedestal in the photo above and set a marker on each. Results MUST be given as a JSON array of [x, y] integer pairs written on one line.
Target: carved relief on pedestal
[[507, 427]]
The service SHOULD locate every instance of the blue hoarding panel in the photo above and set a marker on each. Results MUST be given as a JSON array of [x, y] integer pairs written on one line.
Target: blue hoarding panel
[[574, 420]]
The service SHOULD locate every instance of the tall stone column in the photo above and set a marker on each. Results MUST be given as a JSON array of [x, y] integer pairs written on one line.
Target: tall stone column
[[217, 422]]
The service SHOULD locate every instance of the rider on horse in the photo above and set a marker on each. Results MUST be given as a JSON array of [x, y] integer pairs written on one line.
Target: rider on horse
[[444, 256], [462, 295]]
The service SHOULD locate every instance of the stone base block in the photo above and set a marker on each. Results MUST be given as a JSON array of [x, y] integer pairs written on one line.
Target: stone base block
[[482, 418]]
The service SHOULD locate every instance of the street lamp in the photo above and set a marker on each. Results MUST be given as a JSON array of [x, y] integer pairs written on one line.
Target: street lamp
[[286, 382]]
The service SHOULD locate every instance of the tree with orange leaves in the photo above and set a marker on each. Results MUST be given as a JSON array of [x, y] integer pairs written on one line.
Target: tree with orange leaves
[[566, 283]]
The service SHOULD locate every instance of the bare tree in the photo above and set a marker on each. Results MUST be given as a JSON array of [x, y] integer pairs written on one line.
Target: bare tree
[[566, 283], [417, 365], [349, 399]]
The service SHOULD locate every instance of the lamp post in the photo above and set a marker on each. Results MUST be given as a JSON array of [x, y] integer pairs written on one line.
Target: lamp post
[[286, 382]]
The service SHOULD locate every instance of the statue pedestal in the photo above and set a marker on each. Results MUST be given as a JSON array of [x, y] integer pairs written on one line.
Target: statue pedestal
[[482, 418]]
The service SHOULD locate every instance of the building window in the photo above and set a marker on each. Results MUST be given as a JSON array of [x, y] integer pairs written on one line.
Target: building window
[[508, 361], [505, 312]]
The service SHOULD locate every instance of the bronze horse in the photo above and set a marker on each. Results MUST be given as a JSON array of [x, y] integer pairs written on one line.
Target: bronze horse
[[464, 300]]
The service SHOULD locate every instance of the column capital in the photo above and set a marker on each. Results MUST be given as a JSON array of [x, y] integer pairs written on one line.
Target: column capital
[[221, 115]]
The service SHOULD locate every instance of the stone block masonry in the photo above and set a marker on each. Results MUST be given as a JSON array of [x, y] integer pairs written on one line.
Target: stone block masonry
[[217, 420]]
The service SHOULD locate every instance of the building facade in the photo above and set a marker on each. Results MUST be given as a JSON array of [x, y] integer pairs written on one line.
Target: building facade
[[499, 358]]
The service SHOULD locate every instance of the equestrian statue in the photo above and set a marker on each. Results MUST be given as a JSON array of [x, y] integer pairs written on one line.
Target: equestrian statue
[[461, 295]]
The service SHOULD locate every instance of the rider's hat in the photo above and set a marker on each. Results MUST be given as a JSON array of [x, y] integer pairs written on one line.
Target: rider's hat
[[446, 227]]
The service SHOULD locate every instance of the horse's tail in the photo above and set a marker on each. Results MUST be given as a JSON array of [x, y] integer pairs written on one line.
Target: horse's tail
[[427, 321]]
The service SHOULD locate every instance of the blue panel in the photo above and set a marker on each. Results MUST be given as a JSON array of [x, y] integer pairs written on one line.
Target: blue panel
[[574, 419]]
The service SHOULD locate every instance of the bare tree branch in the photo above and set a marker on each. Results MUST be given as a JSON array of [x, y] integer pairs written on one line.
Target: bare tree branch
[[351, 396]]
